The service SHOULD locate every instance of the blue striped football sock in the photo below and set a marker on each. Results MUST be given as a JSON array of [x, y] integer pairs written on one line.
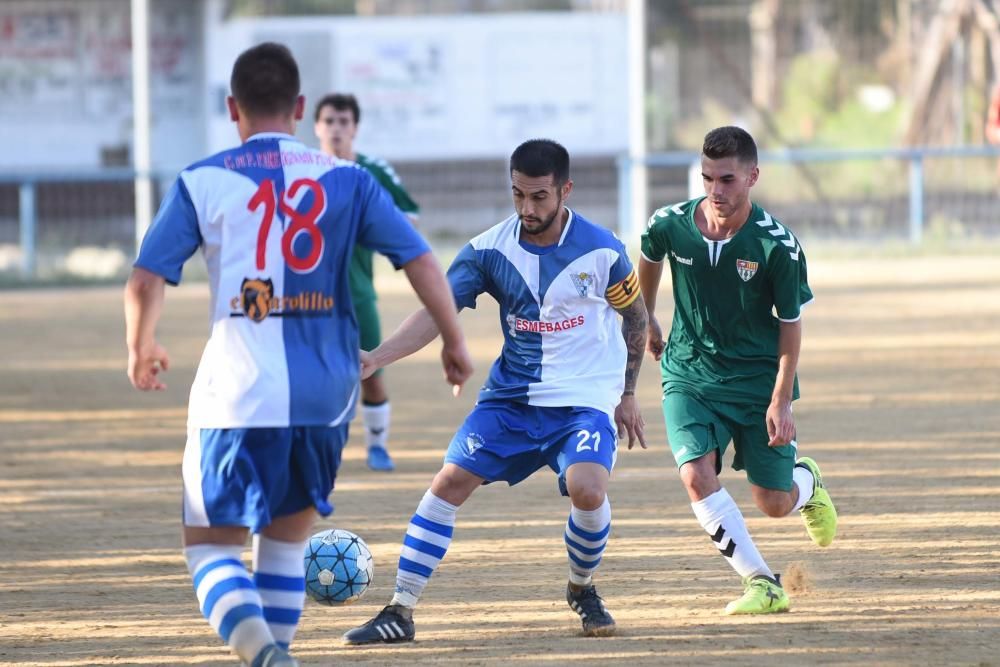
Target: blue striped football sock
[[426, 542], [279, 570], [586, 536], [228, 598]]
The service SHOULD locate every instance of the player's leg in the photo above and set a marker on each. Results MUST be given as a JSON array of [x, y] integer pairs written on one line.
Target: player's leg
[[216, 520], [781, 485], [312, 462], [698, 438], [376, 410], [584, 455], [425, 544]]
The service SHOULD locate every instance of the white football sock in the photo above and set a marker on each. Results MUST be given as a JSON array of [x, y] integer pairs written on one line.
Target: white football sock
[[722, 520]]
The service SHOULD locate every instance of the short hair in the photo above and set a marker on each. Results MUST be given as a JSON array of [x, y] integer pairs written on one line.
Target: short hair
[[541, 157], [730, 141], [340, 102], [265, 80]]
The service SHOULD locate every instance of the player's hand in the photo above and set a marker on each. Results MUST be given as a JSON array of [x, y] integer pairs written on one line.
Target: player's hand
[[457, 365], [654, 338], [780, 423], [629, 420], [368, 365], [144, 366]]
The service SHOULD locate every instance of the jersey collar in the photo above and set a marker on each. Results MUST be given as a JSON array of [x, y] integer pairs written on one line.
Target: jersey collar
[[260, 136]]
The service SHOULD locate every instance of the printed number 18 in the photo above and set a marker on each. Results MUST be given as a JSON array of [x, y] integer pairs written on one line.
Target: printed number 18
[[302, 223]]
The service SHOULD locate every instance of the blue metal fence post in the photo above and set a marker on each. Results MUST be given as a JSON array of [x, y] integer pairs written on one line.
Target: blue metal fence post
[[916, 198], [624, 198], [27, 218]]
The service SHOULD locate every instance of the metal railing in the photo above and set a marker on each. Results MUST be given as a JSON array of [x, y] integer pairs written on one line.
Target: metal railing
[[916, 157]]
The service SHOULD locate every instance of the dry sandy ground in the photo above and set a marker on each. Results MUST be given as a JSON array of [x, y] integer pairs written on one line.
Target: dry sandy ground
[[901, 407]]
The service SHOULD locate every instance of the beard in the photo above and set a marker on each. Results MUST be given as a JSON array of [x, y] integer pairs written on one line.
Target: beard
[[545, 224]]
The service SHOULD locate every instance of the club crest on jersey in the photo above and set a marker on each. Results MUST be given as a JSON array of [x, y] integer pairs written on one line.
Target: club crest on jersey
[[582, 280], [473, 443], [746, 269], [255, 297]]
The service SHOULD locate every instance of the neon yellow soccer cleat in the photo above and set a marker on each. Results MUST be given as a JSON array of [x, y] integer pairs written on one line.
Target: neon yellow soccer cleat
[[762, 596], [819, 513]]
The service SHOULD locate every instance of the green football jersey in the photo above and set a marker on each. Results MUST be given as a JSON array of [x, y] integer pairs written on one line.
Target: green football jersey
[[728, 299], [362, 272]]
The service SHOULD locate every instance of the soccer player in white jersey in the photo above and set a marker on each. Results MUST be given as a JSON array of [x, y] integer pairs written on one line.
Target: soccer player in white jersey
[[277, 223], [728, 368], [567, 371]]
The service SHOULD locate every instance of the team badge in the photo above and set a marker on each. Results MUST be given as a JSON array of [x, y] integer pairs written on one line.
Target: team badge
[[473, 443], [746, 269], [255, 297], [582, 281]]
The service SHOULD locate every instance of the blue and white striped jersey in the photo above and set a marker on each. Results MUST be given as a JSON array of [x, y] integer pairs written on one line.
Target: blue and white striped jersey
[[563, 345], [277, 223]]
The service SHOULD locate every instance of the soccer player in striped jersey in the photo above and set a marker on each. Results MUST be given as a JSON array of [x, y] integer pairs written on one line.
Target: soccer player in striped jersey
[[566, 374], [729, 365], [336, 124], [277, 383]]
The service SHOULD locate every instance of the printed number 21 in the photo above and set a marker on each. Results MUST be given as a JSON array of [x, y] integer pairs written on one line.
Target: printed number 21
[[586, 435], [301, 223]]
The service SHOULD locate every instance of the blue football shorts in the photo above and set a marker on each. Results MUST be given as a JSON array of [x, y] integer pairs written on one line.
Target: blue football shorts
[[252, 476], [508, 441]]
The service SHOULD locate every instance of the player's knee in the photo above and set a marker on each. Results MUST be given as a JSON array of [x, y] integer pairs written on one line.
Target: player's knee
[[774, 504], [699, 479], [587, 496]]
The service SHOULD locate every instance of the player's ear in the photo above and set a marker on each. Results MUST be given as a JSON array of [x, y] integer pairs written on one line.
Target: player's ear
[[234, 111], [566, 188], [300, 107], [754, 174]]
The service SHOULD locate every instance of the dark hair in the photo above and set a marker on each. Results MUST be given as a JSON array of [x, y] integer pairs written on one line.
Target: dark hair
[[541, 157], [340, 102], [730, 141], [265, 80]]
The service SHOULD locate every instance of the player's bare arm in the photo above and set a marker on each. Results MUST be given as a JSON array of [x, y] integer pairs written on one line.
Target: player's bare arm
[[628, 418], [431, 286], [780, 422], [144, 294], [649, 282]]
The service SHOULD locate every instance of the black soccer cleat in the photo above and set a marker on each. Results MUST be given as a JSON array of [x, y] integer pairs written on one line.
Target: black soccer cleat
[[393, 624], [597, 622]]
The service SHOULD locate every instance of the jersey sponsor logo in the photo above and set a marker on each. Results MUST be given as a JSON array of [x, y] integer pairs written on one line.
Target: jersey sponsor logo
[[257, 302], [689, 261], [516, 324], [583, 281], [473, 443], [746, 269]]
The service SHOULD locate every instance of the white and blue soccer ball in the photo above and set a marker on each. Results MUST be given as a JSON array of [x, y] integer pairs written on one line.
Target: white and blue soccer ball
[[339, 567]]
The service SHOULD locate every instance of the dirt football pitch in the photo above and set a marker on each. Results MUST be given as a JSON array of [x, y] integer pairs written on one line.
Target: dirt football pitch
[[900, 376]]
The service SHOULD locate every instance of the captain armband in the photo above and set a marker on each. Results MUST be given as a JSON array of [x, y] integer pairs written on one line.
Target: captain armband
[[623, 293]]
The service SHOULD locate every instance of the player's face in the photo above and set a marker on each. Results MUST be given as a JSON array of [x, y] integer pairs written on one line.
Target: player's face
[[538, 201], [335, 130], [727, 184]]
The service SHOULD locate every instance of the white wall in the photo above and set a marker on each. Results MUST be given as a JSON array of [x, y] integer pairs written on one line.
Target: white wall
[[65, 82], [442, 87]]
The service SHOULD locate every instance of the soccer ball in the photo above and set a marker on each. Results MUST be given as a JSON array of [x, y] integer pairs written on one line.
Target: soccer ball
[[339, 567]]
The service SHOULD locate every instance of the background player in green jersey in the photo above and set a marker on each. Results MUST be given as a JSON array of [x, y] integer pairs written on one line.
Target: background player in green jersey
[[728, 367], [337, 118]]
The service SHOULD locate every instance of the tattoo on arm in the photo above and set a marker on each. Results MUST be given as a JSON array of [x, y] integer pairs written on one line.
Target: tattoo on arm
[[634, 322]]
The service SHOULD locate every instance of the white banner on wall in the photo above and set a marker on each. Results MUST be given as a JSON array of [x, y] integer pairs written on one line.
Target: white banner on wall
[[453, 87]]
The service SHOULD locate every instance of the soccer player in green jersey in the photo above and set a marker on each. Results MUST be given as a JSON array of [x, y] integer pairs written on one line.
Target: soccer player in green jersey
[[728, 366], [337, 118]]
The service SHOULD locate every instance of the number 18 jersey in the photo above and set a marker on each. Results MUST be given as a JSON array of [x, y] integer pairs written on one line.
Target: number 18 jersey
[[277, 223]]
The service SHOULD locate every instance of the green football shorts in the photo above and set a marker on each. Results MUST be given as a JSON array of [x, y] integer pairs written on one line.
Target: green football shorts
[[696, 427]]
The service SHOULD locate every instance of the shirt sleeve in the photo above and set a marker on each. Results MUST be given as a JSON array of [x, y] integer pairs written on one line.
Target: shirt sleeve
[[789, 282], [384, 228], [172, 237], [655, 243], [623, 283], [467, 277]]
